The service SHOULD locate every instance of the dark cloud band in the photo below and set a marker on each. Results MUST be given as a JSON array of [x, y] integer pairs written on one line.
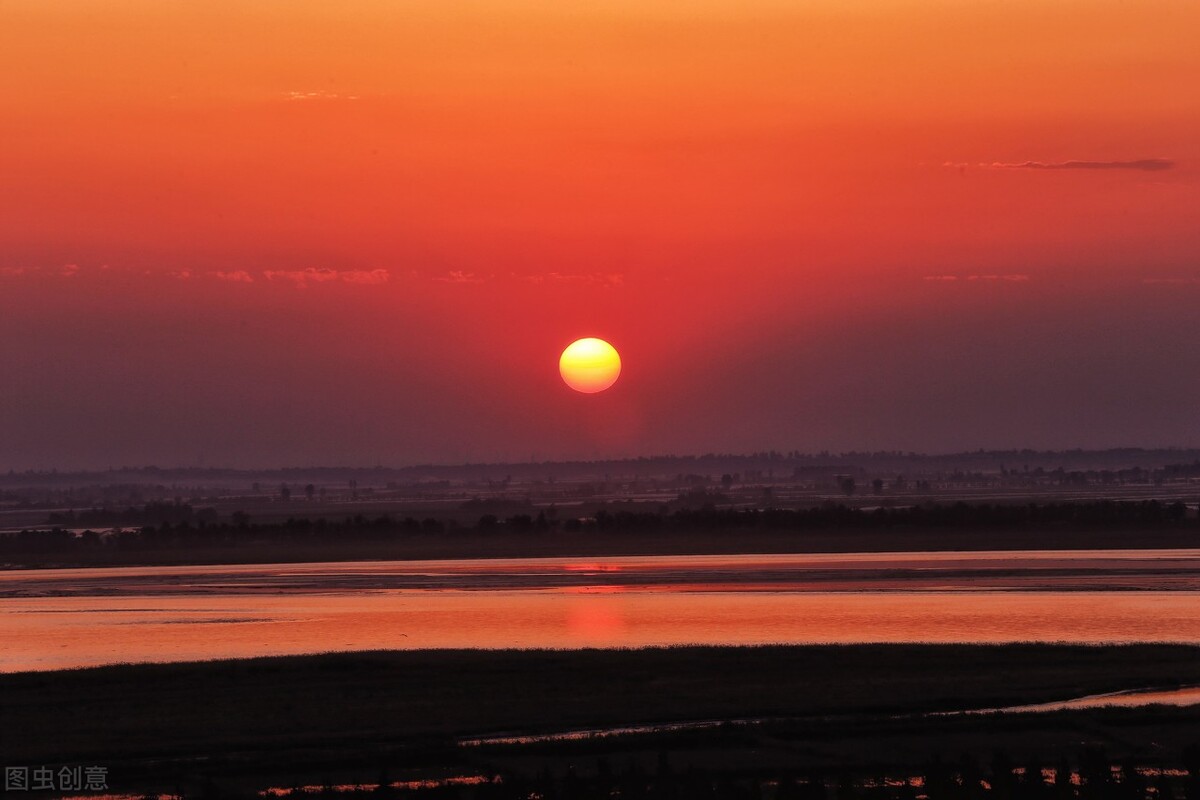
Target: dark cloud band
[[1144, 164]]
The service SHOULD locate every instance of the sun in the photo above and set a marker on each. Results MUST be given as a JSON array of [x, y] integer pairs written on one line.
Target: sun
[[589, 365]]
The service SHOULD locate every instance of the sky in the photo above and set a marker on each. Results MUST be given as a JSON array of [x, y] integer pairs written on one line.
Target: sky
[[281, 232]]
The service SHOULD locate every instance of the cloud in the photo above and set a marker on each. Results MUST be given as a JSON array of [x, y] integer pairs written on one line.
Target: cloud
[[605, 279], [302, 278], [372, 277], [1015, 277], [319, 95], [1142, 165], [458, 276]]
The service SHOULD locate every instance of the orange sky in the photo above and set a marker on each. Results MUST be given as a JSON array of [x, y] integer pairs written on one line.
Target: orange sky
[[267, 232]]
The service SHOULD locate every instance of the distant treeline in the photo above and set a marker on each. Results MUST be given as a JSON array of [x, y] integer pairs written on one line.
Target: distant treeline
[[180, 526]]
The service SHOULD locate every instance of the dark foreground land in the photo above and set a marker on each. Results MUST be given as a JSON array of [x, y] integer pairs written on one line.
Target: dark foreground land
[[800, 719]]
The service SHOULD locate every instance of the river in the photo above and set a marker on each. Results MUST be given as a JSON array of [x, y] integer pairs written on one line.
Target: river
[[56, 619]]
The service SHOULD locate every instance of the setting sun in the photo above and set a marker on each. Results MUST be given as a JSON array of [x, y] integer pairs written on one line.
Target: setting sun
[[590, 365]]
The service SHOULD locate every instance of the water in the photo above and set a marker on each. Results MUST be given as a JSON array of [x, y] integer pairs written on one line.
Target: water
[[1183, 696], [55, 619]]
